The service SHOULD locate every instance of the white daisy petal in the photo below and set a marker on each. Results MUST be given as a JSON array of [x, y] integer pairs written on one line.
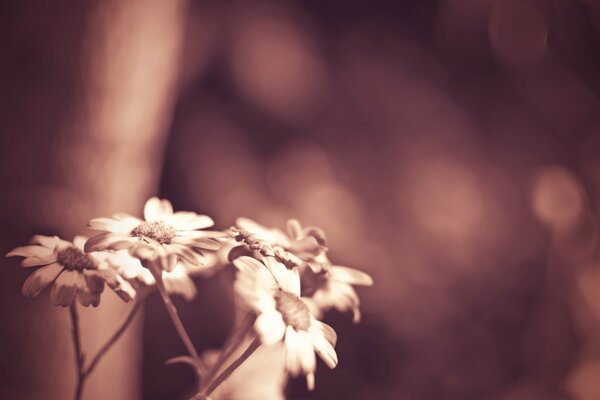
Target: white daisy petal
[[79, 241], [123, 226], [120, 286], [264, 301], [307, 353], [247, 264], [36, 261], [323, 348], [189, 221], [325, 330], [271, 235], [94, 281], [270, 327], [200, 242], [310, 379], [179, 283], [64, 288], [294, 229], [41, 278], [350, 276], [47, 241], [30, 251], [279, 271], [102, 241], [293, 285], [185, 253], [292, 359], [87, 298], [166, 208], [153, 210]]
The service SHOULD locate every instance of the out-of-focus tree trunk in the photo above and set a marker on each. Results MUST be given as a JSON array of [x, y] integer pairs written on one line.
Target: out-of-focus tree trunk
[[105, 157]]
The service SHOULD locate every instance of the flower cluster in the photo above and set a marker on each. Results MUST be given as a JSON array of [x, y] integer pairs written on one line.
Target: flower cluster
[[285, 281], [79, 269], [289, 282]]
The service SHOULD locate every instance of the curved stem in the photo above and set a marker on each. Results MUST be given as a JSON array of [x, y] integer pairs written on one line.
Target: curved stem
[[229, 348], [78, 353], [234, 365], [113, 339], [185, 338]]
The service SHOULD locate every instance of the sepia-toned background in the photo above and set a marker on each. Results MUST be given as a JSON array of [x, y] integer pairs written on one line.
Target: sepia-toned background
[[449, 148]]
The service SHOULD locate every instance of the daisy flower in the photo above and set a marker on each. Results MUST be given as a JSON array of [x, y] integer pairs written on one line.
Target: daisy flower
[[162, 234], [300, 245], [273, 292], [334, 289], [178, 281], [71, 272]]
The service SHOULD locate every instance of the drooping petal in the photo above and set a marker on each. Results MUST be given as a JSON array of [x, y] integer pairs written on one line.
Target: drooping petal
[[64, 288], [94, 281], [120, 286], [87, 298], [270, 327], [84, 295], [308, 360], [350, 276], [326, 331], [323, 348], [292, 359], [38, 280], [310, 379]]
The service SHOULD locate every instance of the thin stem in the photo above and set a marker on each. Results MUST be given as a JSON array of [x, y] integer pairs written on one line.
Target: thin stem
[[234, 365], [78, 354], [185, 338], [229, 348], [113, 339]]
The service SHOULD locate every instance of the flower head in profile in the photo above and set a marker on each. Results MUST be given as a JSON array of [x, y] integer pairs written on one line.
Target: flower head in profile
[[71, 272], [333, 289], [178, 281], [299, 246], [273, 292], [162, 235]]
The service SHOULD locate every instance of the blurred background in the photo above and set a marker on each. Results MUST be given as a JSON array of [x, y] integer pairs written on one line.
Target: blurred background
[[449, 148]]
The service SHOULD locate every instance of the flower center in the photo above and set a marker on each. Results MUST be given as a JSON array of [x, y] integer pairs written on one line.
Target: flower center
[[156, 230], [74, 259], [294, 311]]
